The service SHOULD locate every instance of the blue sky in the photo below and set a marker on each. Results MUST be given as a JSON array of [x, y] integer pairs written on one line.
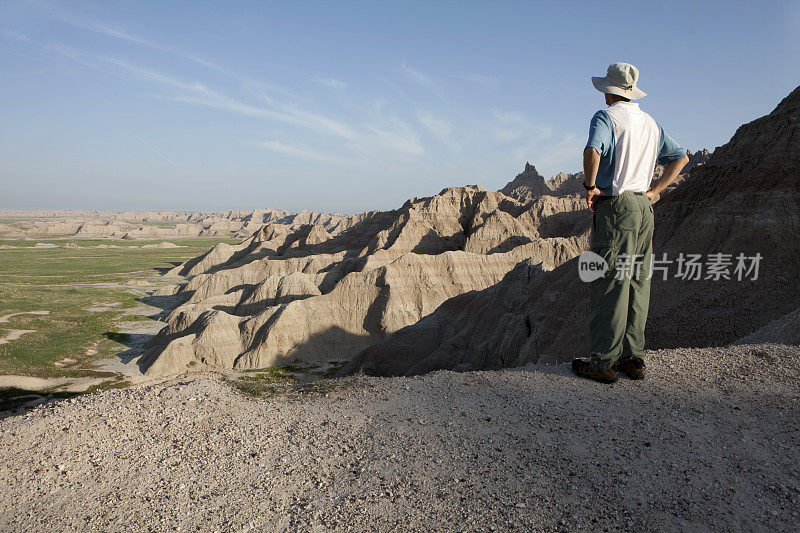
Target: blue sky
[[352, 106]]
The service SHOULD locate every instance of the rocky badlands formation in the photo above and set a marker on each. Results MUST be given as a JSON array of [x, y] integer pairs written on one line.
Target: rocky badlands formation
[[744, 200], [287, 293], [149, 225]]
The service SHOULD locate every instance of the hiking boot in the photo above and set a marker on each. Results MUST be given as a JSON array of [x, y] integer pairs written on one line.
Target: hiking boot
[[584, 369], [633, 367]]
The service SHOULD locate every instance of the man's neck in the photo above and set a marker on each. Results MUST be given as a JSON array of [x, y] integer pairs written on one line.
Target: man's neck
[[612, 99]]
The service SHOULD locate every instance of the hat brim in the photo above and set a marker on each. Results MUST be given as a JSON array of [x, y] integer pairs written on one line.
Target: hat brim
[[604, 85]]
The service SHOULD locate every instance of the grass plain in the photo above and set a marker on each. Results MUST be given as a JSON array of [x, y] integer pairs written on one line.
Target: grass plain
[[83, 289]]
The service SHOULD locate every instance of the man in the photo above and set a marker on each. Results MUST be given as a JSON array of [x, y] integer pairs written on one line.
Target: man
[[618, 162]]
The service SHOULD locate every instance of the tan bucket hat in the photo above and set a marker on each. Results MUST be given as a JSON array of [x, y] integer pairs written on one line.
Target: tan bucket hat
[[621, 80]]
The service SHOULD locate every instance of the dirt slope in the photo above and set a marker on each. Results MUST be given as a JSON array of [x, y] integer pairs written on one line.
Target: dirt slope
[[708, 442]]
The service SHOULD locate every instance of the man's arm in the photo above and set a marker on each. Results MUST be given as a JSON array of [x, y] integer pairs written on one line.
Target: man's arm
[[670, 173], [674, 157], [591, 162], [600, 139]]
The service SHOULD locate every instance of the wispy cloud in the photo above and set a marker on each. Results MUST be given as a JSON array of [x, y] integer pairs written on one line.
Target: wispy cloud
[[199, 94], [330, 82], [383, 127], [301, 116], [387, 132], [399, 139], [418, 76], [157, 77], [299, 151], [525, 140], [119, 33], [78, 56], [440, 128], [559, 154], [424, 80], [276, 103], [394, 135], [508, 126], [489, 82], [14, 35]]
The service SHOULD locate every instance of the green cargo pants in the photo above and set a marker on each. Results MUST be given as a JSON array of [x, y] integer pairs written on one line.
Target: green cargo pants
[[623, 236]]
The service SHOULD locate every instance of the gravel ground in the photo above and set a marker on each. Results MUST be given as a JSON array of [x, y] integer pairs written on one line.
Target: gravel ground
[[708, 442]]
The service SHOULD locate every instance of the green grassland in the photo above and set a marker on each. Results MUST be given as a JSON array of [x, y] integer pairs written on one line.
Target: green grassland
[[67, 282]]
